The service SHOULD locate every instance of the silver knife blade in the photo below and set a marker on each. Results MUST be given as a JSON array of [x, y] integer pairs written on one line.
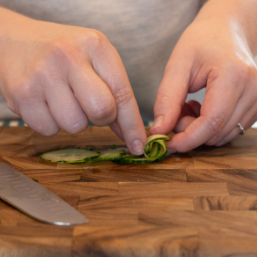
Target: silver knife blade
[[36, 201]]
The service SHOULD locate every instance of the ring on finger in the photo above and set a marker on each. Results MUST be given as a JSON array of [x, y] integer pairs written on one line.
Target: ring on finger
[[242, 130]]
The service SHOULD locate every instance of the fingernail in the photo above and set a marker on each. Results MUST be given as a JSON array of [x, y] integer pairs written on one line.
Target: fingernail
[[157, 122], [137, 147]]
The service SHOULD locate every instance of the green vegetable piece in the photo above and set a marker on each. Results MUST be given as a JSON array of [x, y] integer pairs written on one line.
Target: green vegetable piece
[[70, 155], [111, 154], [155, 150]]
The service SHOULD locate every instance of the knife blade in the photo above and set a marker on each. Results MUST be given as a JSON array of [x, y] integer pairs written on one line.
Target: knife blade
[[36, 201]]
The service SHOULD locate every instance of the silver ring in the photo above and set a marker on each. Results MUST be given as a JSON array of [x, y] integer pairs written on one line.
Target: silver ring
[[242, 130]]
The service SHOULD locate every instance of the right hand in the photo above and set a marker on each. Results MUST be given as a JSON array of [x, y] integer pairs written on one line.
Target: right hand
[[58, 76]]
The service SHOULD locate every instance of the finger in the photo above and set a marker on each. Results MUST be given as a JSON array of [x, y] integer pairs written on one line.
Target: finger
[[65, 108], [243, 106], [189, 111], [217, 109], [232, 135], [247, 121], [93, 95], [183, 123], [38, 117], [171, 95], [108, 65], [116, 129]]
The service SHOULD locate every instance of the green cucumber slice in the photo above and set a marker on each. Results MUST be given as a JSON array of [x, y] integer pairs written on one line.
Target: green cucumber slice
[[111, 154], [70, 155]]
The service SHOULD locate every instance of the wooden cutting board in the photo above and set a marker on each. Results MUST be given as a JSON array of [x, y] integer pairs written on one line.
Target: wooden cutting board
[[202, 203]]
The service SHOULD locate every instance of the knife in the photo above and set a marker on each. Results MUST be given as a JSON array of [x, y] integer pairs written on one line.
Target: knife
[[36, 201]]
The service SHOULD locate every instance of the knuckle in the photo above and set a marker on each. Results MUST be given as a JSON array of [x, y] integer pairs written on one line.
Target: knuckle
[[40, 76], [243, 71], [123, 96], [104, 112], [161, 102], [213, 140], [63, 50], [28, 88], [216, 123], [162, 98], [95, 38], [23, 92]]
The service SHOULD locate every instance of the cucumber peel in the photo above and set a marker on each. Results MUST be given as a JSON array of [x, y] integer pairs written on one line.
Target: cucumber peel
[[155, 150]]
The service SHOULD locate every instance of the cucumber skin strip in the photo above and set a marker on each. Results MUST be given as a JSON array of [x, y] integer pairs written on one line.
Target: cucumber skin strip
[[140, 160]]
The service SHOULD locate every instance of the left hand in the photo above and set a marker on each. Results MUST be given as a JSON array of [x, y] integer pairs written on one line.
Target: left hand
[[212, 53]]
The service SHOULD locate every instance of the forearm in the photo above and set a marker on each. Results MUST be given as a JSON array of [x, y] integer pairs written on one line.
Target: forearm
[[241, 15]]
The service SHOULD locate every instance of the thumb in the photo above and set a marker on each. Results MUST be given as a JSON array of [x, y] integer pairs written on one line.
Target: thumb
[[171, 95]]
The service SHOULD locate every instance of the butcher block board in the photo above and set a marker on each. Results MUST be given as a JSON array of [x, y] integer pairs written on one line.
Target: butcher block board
[[199, 204]]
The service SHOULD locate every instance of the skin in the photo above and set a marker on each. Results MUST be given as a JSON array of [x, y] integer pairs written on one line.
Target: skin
[[216, 51], [58, 76]]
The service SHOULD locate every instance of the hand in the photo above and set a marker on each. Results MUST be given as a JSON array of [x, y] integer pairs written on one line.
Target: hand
[[57, 76], [214, 54]]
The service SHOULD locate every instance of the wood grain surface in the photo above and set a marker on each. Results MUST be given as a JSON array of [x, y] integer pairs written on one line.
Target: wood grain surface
[[199, 204]]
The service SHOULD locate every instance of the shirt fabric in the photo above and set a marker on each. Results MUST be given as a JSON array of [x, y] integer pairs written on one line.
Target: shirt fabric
[[143, 31]]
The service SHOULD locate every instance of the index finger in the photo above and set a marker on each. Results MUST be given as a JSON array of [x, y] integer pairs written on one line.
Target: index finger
[[217, 108], [108, 65]]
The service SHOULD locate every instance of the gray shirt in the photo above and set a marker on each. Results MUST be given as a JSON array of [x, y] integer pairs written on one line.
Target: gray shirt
[[143, 31]]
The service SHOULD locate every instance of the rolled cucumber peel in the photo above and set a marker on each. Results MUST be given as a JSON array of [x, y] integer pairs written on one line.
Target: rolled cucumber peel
[[155, 150]]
